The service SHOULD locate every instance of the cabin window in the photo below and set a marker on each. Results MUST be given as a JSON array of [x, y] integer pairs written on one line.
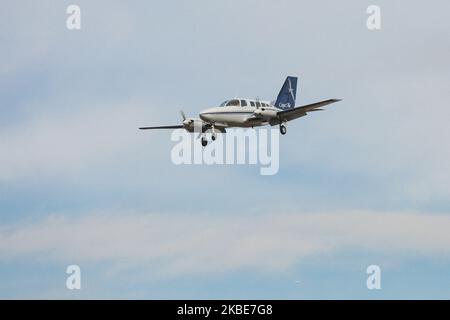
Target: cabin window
[[258, 104], [252, 103], [223, 103], [243, 103], [233, 103]]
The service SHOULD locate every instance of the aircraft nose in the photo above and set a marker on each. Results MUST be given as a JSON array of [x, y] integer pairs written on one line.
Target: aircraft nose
[[205, 115]]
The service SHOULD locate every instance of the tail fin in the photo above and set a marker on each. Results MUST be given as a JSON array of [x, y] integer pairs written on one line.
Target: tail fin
[[286, 97]]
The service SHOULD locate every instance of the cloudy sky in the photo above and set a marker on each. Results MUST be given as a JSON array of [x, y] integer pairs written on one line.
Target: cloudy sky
[[366, 182]]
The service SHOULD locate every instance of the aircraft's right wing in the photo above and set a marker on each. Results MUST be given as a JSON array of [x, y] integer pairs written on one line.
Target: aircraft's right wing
[[294, 113]]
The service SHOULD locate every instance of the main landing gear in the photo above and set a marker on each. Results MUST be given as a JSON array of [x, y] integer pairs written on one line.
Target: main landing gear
[[205, 140], [213, 136], [283, 129]]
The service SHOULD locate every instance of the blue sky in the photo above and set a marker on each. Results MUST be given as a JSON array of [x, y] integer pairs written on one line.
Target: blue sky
[[365, 182]]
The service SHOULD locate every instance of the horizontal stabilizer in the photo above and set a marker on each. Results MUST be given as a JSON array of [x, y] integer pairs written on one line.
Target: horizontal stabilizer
[[297, 112]]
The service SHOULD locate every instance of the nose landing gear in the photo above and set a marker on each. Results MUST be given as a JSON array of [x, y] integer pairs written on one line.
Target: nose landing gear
[[213, 135]]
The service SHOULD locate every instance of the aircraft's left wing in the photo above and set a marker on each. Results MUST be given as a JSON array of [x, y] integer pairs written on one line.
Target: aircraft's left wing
[[162, 127], [294, 113]]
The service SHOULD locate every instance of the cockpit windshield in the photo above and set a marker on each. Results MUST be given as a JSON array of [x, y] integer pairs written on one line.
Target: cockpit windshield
[[230, 103], [233, 103]]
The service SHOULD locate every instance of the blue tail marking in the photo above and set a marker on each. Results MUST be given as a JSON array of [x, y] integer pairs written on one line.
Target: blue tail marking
[[287, 95]]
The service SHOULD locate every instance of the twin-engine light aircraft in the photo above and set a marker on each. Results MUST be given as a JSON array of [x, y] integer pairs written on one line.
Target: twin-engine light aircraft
[[246, 113]]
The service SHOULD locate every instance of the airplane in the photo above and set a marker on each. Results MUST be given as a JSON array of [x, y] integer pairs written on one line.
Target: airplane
[[245, 113]]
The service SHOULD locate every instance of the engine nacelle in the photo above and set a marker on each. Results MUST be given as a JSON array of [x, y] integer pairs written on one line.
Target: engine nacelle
[[192, 125], [265, 113]]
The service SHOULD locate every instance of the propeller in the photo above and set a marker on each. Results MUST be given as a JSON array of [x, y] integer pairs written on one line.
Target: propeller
[[186, 121]]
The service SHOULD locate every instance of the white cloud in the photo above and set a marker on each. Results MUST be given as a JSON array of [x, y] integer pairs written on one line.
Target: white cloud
[[191, 244]]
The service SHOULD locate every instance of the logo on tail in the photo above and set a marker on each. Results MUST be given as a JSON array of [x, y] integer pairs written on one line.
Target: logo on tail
[[286, 97]]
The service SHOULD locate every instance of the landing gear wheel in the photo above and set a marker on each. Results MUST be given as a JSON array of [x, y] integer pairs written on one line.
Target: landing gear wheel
[[283, 129], [204, 142], [213, 137]]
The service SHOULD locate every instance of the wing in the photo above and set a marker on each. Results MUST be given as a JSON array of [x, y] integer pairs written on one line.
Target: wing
[[162, 127], [219, 127], [294, 113]]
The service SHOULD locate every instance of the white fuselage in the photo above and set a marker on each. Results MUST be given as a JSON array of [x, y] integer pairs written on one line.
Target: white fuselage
[[245, 113]]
